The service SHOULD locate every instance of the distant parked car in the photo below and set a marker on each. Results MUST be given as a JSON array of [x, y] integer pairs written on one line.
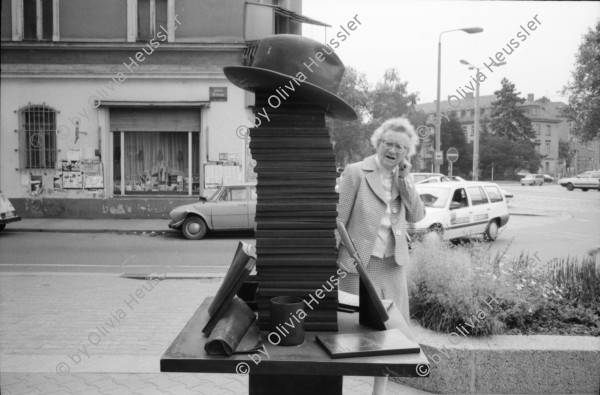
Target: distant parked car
[[7, 212], [231, 207], [533, 179], [507, 195], [548, 178], [584, 181], [461, 209]]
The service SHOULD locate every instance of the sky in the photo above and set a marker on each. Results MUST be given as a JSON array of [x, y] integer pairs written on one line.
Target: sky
[[404, 35]]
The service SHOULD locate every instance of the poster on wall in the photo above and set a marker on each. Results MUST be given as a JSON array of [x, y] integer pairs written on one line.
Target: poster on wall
[[216, 175], [93, 182], [72, 180], [213, 174], [93, 174], [71, 165], [231, 175], [88, 174]]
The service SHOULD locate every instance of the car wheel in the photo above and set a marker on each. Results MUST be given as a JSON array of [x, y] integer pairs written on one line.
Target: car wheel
[[570, 186], [2, 226], [194, 228], [584, 189], [491, 232]]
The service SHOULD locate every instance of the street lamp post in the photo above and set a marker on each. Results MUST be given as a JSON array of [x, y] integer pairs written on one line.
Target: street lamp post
[[476, 126], [476, 120], [438, 115]]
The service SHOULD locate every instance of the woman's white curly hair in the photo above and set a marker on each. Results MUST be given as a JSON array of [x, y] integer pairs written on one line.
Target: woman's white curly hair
[[401, 125]]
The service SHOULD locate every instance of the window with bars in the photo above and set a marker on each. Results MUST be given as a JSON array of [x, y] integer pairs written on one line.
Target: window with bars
[[37, 140]]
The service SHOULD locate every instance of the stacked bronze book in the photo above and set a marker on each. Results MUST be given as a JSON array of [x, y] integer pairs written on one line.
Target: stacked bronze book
[[296, 210]]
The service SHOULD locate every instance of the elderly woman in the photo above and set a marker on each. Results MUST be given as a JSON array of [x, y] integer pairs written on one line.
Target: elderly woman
[[377, 199]]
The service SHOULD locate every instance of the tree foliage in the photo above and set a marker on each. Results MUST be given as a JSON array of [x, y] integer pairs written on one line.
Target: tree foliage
[[505, 156], [565, 152], [453, 136], [388, 99], [507, 118], [350, 137], [583, 109]]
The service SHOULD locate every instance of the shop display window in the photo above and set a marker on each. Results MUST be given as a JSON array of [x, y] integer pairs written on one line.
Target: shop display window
[[156, 163]]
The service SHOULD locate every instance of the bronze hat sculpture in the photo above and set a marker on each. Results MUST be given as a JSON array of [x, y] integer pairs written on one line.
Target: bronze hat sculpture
[[295, 65]]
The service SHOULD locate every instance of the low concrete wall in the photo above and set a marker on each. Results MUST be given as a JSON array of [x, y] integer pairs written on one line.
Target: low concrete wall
[[116, 208], [509, 364]]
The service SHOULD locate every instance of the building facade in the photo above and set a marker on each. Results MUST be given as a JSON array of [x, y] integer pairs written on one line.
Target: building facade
[[549, 125], [114, 108]]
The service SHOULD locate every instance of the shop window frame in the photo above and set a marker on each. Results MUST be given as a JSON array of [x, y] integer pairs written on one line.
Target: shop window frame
[[189, 191]]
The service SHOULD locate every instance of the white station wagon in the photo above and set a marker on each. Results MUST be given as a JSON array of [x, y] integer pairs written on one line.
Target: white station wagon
[[461, 209]]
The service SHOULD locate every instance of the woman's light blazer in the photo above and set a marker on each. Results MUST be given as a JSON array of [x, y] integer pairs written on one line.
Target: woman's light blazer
[[361, 208]]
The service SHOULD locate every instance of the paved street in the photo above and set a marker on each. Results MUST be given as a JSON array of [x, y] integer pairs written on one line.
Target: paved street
[[557, 223], [548, 221], [142, 252]]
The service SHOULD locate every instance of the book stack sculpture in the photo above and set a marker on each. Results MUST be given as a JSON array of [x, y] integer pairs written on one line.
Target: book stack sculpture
[[296, 208], [296, 212]]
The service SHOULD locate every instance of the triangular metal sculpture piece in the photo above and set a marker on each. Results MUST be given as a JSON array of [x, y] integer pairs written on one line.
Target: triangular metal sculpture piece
[[369, 314], [371, 311]]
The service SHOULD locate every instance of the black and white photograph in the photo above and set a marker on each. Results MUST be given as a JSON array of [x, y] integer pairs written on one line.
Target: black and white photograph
[[299, 197]]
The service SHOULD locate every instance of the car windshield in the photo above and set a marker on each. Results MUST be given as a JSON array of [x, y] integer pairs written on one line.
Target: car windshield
[[232, 193], [434, 197], [215, 195]]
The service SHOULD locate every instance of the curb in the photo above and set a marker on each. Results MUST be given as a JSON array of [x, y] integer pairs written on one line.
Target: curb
[[134, 276], [120, 231], [506, 364], [520, 211], [534, 215], [173, 276]]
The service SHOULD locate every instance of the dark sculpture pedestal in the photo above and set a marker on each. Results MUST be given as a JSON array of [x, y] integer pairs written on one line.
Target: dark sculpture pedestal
[[261, 384]]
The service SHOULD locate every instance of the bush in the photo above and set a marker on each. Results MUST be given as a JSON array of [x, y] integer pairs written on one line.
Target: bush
[[450, 288], [450, 285], [578, 281]]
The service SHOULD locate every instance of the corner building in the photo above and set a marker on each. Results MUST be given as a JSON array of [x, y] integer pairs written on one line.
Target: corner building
[[120, 109]]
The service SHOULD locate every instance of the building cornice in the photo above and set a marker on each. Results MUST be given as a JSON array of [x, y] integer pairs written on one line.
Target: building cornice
[[121, 46]]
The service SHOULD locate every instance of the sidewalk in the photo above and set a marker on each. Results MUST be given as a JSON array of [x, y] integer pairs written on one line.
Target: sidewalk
[[91, 334], [89, 225]]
